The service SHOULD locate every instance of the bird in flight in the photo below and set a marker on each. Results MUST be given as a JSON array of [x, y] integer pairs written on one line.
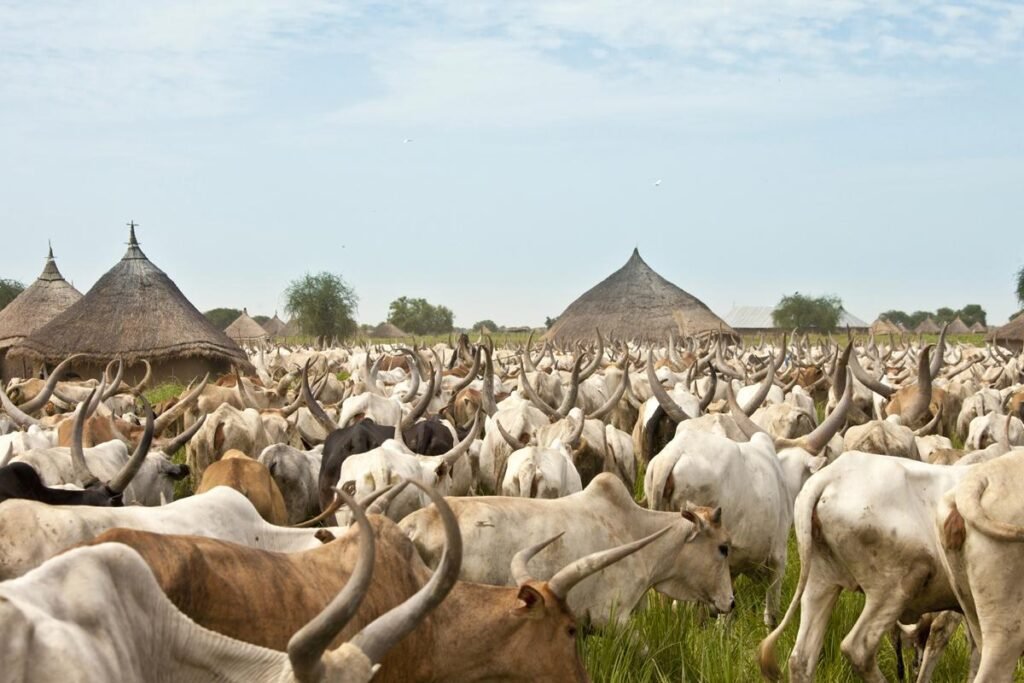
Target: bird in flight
[[407, 140], [657, 182]]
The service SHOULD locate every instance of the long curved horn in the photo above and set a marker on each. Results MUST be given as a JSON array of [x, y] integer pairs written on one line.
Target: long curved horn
[[471, 375], [243, 394], [674, 411], [709, 395], [420, 406], [613, 400], [487, 401], [380, 635], [51, 383], [173, 444], [592, 368], [98, 397], [22, 419], [830, 426], [839, 374], [867, 380], [78, 465], [456, 452], [930, 427], [513, 443], [171, 415], [121, 480], [569, 400], [114, 385], [919, 406], [573, 440], [531, 394], [940, 349], [378, 502], [746, 425], [529, 354], [415, 382], [315, 409], [766, 383], [141, 386], [520, 572], [307, 646], [563, 582]]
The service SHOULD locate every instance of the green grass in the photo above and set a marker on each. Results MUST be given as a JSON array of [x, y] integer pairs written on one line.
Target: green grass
[[164, 391]]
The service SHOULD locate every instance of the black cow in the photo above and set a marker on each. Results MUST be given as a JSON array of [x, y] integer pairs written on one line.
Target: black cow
[[20, 480], [429, 437]]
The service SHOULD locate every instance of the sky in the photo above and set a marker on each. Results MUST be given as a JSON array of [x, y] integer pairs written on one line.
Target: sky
[[502, 158]]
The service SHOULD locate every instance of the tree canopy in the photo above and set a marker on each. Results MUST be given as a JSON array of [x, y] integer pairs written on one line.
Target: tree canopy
[[222, 317], [806, 312], [323, 305], [549, 321], [9, 290], [418, 316], [1020, 286], [970, 314], [487, 324]]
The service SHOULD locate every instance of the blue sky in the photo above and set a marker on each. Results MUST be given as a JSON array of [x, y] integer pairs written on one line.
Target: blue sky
[[872, 150]]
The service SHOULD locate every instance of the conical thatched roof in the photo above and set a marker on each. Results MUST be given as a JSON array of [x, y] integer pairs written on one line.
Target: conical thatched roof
[[42, 301], [1011, 331], [275, 327], [245, 328], [635, 301], [928, 326], [958, 327], [134, 312], [978, 328], [883, 326], [387, 331]]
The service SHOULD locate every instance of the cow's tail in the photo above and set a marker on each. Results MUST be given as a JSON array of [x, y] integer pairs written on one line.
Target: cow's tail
[[806, 503], [968, 503]]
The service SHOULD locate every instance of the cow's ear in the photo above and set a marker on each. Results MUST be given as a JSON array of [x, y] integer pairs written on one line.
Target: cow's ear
[[442, 470], [532, 603], [696, 520], [349, 487]]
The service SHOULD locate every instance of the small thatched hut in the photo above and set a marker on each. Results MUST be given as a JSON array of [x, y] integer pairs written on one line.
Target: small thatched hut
[[958, 327], [978, 328], [42, 301], [1010, 335], [928, 326], [883, 326], [137, 313], [635, 301], [387, 331], [245, 330], [275, 327]]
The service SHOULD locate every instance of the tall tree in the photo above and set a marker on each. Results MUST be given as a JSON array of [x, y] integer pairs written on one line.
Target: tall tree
[[806, 312], [944, 315], [323, 304], [488, 325], [1020, 286], [9, 290], [222, 317], [973, 313], [418, 316]]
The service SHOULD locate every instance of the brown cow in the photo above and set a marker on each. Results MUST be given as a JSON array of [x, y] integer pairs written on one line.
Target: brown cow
[[478, 633], [250, 478]]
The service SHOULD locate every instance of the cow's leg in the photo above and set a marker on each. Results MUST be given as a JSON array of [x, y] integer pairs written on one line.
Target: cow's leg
[[816, 606], [776, 570], [999, 657], [943, 628]]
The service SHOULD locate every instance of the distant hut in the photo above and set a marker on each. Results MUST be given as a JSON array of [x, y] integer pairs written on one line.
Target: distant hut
[[275, 327], [134, 312], [978, 328], [1010, 335], [245, 330], [635, 301], [42, 301], [883, 326], [958, 327], [928, 326], [387, 331], [759, 320]]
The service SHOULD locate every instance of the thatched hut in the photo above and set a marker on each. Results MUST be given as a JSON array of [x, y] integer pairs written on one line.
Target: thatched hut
[[958, 326], [978, 328], [275, 327], [134, 312], [387, 330], [635, 301], [883, 326], [245, 330], [1010, 335], [928, 326], [42, 301]]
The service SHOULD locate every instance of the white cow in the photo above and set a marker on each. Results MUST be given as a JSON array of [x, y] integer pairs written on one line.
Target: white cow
[[295, 473], [536, 472], [993, 427]]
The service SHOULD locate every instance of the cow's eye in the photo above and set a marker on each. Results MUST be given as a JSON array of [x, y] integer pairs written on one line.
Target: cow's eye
[[572, 631], [724, 549]]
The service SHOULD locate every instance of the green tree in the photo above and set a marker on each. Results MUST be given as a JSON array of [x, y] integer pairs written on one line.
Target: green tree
[[222, 317], [488, 324], [1020, 286], [899, 317], [261, 318], [918, 317], [323, 304], [944, 315], [805, 312], [9, 290], [973, 313], [418, 316], [549, 321]]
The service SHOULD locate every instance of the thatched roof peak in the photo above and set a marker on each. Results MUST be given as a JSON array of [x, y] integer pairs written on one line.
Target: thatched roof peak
[[134, 251], [245, 328], [635, 301], [42, 301]]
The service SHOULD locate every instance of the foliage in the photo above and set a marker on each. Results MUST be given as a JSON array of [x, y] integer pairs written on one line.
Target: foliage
[[222, 317], [489, 324], [418, 316], [1020, 286], [9, 290], [969, 314], [805, 312], [549, 321], [323, 304], [261, 318]]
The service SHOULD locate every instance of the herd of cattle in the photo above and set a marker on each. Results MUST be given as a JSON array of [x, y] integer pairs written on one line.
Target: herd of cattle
[[457, 512]]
